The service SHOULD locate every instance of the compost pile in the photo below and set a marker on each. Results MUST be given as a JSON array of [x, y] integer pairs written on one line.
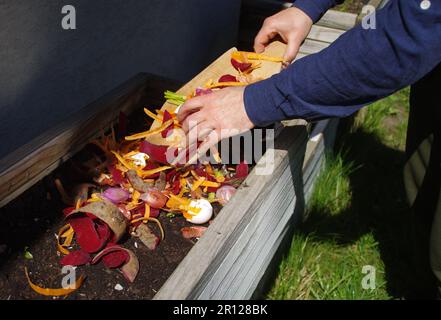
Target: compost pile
[[134, 182]]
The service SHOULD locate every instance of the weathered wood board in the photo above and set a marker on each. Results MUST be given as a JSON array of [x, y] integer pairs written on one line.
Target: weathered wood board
[[30, 163], [213, 72], [246, 229], [230, 261]]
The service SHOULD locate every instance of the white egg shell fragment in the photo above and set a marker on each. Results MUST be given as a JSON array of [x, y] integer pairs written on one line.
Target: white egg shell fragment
[[139, 159], [202, 216]]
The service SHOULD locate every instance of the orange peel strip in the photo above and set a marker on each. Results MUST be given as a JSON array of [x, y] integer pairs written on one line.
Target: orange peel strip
[[54, 292], [147, 173], [123, 161], [148, 133], [147, 211], [141, 173], [197, 183], [226, 84], [238, 55], [64, 232], [211, 184], [152, 115]]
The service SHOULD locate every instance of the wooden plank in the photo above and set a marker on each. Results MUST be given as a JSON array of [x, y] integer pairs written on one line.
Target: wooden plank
[[338, 20], [213, 72], [310, 174], [324, 34], [312, 46], [239, 245], [30, 163], [239, 272], [255, 221], [224, 240]]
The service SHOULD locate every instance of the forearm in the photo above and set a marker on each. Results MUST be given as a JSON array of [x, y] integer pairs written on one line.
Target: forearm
[[360, 67]]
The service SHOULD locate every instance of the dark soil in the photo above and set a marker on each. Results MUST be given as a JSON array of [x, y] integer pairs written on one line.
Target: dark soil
[[33, 219]]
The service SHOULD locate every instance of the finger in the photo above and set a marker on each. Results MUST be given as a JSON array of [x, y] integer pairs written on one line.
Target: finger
[[215, 152], [210, 140], [183, 154], [198, 133], [193, 120], [190, 106], [262, 39], [291, 50]]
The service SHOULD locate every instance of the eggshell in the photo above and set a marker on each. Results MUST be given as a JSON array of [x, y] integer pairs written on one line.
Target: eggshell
[[139, 159], [204, 215]]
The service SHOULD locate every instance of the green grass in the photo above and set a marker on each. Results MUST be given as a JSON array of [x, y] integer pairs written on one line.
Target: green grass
[[352, 6], [357, 215]]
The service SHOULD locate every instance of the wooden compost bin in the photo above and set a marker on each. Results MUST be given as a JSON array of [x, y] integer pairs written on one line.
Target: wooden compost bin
[[231, 259]]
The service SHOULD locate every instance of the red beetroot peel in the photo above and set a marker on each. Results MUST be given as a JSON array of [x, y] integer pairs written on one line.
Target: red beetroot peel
[[240, 66], [227, 78], [167, 116], [76, 258], [91, 235], [156, 152]]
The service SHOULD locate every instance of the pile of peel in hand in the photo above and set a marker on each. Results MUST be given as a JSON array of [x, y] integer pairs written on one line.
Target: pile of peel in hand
[[134, 182]]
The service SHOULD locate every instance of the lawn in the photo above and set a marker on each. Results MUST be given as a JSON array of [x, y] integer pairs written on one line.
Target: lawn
[[353, 6], [357, 215]]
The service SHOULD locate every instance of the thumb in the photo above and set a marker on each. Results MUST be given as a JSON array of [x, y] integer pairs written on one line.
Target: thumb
[[259, 48], [291, 50]]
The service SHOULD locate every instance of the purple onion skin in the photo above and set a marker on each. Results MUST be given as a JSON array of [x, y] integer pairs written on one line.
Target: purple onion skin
[[154, 198], [202, 92], [224, 194], [116, 195]]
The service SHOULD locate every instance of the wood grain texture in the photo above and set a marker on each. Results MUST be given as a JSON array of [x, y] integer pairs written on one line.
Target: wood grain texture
[[338, 20], [213, 72], [231, 260], [325, 34], [237, 249], [232, 257], [311, 46], [238, 228], [30, 163]]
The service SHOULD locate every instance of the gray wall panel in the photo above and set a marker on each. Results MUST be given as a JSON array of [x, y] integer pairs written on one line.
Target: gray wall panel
[[47, 73]]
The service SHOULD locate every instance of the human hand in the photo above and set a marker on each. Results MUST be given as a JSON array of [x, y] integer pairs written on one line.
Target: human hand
[[292, 25], [215, 116]]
